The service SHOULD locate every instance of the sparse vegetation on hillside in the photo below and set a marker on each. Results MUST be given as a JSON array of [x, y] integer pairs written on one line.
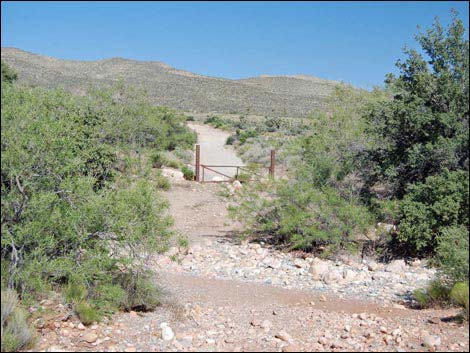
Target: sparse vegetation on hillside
[[166, 86]]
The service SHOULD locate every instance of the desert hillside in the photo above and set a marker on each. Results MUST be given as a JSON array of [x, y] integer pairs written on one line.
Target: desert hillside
[[263, 95]]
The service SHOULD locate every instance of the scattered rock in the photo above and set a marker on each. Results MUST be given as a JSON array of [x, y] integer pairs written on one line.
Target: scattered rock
[[317, 269], [167, 332], [172, 173], [396, 266], [237, 185], [283, 336], [372, 266], [429, 340], [90, 337], [349, 275], [332, 276]]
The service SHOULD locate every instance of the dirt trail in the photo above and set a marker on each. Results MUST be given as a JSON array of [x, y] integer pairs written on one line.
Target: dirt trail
[[214, 151]]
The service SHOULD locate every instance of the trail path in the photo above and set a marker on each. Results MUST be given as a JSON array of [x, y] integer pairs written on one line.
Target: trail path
[[237, 312], [214, 151]]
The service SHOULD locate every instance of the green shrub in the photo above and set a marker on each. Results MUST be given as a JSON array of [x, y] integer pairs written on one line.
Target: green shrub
[[16, 333], [75, 292], [183, 242], [108, 297], [8, 75], [431, 207], [68, 215], [142, 292], [215, 121], [188, 173], [230, 140], [157, 160], [301, 216], [162, 182], [173, 163], [437, 293], [244, 135], [190, 118], [86, 313], [459, 295], [452, 254]]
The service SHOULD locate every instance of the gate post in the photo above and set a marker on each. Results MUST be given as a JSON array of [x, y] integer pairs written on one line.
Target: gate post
[[198, 161], [273, 163]]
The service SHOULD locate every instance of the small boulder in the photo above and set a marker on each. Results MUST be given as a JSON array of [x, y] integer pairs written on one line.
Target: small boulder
[[90, 337], [167, 332], [332, 276], [396, 266], [349, 275], [237, 185], [283, 336], [172, 173], [317, 269], [430, 341]]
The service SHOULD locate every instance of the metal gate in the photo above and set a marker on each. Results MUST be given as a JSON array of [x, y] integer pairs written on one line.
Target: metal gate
[[200, 169]]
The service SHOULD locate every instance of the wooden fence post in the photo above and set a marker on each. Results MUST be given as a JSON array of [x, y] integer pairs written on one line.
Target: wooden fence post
[[273, 163], [198, 161]]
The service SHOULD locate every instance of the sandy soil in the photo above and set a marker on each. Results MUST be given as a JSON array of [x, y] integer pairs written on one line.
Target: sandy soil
[[214, 151]]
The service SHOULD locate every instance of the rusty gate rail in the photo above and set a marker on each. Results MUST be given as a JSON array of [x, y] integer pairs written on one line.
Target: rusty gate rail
[[198, 166]]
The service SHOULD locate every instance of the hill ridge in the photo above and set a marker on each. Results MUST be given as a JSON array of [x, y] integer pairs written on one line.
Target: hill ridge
[[270, 95]]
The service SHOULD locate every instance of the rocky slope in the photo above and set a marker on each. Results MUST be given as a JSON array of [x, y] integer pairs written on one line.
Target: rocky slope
[[292, 96]]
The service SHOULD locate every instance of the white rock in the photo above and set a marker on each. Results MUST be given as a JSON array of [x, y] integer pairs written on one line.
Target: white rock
[[332, 276], [90, 337], [430, 340], [237, 185], [172, 173], [349, 275], [396, 266], [167, 332], [318, 268], [299, 263], [284, 336], [372, 266]]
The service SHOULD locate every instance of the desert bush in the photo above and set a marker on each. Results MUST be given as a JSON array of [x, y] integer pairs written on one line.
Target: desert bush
[[188, 173], [16, 333], [423, 130], [8, 75], [157, 159], [184, 155], [86, 313], [162, 182], [431, 208], [436, 293], [141, 291], [68, 214], [452, 254], [230, 140], [216, 122], [459, 294], [318, 208]]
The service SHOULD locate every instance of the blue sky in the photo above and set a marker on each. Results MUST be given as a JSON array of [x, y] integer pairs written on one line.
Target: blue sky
[[356, 42]]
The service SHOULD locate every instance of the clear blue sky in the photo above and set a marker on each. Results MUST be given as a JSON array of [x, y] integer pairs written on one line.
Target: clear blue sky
[[357, 42]]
